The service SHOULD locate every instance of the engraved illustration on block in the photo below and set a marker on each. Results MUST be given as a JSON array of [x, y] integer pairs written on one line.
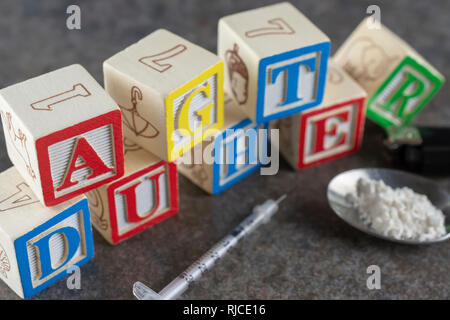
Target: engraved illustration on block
[[18, 140], [5, 265], [403, 94], [153, 61], [279, 27], [134, 121], [372, 60], [22, 197], [78, 90], [238, 74]]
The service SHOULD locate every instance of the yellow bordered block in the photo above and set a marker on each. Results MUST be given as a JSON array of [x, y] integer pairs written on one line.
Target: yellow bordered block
[[170, 92]]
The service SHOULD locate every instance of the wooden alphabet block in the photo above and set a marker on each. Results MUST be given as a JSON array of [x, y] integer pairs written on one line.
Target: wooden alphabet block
[[63, 133], [329, 131], [234, 152], [276, 61], [38, 244], [398, 81], [170, 92], [146, 195]]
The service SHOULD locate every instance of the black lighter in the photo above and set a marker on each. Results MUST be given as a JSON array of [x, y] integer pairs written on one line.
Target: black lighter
[[420, 149]]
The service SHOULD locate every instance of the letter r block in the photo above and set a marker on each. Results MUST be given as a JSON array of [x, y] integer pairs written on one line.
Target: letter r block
[[37, 243], [329, 131], [399, 82], [170, 92], [146, 195], [63, 133], [276, 61], [234, 152]]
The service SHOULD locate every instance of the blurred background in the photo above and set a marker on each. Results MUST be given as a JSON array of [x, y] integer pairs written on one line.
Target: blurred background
[[306, 251]]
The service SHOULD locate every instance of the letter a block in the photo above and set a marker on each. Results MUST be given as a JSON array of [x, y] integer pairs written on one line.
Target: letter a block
[[146, 195], [327, 132], [37, 243], [63, 133], [276, 61], [170, 92], [398, 81], [234, 152]]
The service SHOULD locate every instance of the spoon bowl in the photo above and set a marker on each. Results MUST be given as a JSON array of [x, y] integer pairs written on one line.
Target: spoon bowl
[[345, 183]]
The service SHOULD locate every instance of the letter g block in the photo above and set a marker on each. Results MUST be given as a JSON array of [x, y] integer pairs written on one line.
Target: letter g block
[[276, 61], [38, 244], [170, 92]]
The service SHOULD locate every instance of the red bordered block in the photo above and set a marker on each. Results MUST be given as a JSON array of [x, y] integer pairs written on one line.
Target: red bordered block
[[63, 133], [146, 195], [330, 131]]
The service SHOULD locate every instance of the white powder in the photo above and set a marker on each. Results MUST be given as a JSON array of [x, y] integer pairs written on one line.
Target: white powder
[[400, 213]]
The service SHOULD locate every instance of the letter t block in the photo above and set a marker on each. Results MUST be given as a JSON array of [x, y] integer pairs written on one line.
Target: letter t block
[[170, 92], [63, 133], [329, 131], [276, 61]]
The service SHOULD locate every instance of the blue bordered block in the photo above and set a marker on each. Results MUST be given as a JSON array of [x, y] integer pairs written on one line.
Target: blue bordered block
[[39, 244], [235, 151], [276, 61]]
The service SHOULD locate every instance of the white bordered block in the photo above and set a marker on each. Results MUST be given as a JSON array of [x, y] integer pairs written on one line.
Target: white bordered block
[[170, 92], [275, 61], [39, 244], [63, 133], [146, 195]]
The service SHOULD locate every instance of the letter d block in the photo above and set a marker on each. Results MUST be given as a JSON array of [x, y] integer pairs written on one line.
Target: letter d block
[[398, 81], [170, 92], [276, 61], [63, 133], [38, 244], [146, 195], [230, 155], [332, 130]]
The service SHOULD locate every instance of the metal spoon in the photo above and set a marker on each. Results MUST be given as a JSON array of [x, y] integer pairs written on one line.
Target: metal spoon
[[345, 183]]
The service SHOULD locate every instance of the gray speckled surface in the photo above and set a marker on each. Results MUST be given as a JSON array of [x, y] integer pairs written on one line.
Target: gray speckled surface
[[305, 251]]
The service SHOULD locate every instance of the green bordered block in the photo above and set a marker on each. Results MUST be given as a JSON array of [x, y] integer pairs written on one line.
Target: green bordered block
[[404, 93]]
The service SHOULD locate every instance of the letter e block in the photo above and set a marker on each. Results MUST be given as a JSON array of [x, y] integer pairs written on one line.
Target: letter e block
[[230, 155], [63, 133], [398, 81], [146, 195], [170, 92], [276, 61], [37, 243], [329, 131]]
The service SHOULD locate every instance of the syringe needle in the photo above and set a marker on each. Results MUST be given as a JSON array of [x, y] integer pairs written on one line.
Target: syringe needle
[[281, 198], [261, 214]]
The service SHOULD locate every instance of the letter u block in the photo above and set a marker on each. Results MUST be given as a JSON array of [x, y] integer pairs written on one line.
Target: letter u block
[[329, 131], [146, 195], [398, 81], [228, 156], [276, 61], [170, 92], [38, 244], [63, 133]]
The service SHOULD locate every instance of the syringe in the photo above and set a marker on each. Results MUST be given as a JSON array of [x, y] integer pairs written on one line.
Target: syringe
[[261, 214]]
